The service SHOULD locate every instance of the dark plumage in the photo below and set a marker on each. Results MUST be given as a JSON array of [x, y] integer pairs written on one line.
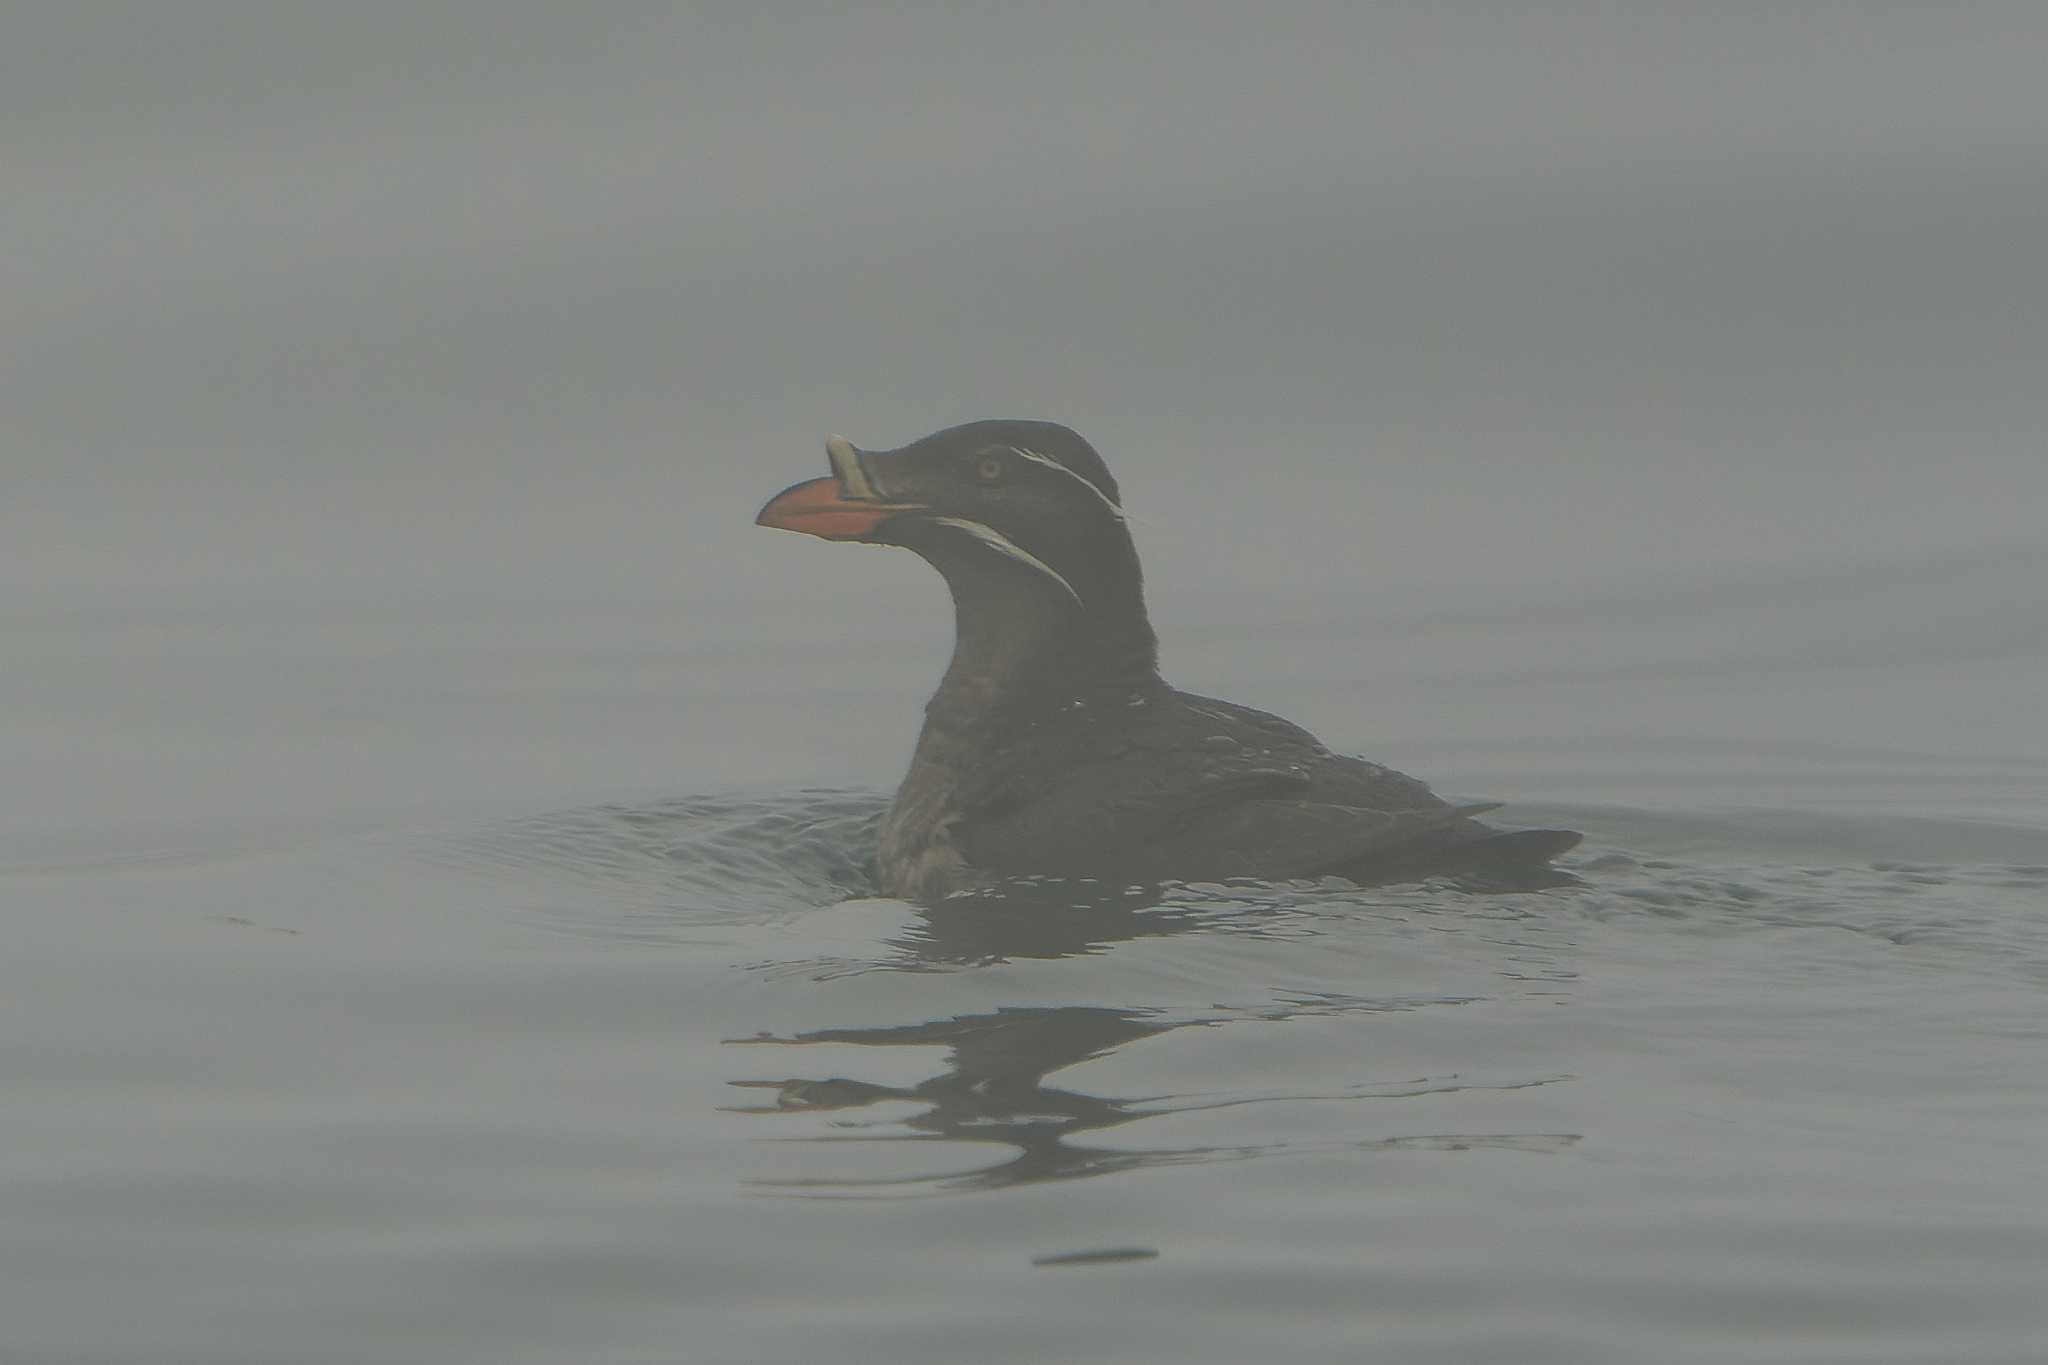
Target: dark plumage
[[1053, 747]]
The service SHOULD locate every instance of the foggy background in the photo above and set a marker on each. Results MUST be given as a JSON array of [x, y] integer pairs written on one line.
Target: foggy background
[[1631, 413], [1549, 379]]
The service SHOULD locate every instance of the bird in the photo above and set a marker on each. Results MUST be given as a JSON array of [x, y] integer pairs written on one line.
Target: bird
[[1053, 748]]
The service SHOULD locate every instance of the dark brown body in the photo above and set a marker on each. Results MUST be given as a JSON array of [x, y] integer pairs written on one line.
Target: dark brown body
[[1053, 747]]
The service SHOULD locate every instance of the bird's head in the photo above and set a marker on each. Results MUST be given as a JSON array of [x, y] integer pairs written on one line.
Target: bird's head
[[1024, 509]]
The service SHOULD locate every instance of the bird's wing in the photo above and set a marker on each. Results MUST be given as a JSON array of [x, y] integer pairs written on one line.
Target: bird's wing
[[1280, 839], [1089, 816], [1196, 790], [1339, 778], [1191, 816]]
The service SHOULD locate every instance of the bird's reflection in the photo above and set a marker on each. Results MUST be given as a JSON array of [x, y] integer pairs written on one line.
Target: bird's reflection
[[994, 1086], [1033, 917], [1049, 918], [993, 1090]]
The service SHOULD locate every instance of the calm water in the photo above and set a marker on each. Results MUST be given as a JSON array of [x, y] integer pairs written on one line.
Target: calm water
[[432, 920], [521, 1066]]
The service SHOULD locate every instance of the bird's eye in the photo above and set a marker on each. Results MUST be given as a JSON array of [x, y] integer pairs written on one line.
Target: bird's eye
[[990, 470]]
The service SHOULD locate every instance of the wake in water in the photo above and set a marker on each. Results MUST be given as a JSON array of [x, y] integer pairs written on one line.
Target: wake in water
[[671, 869]]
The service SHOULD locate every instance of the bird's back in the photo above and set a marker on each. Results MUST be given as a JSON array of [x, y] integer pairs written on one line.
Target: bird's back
[[1176, 786]]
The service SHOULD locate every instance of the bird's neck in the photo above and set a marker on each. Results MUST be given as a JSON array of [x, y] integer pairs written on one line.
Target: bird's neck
[[1023, 651]]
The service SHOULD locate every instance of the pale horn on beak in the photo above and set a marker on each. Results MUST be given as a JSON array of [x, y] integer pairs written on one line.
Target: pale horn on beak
[[853, 480], [844, 505]]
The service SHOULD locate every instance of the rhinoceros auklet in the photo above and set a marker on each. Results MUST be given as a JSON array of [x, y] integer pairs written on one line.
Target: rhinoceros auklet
[[1054, 748]]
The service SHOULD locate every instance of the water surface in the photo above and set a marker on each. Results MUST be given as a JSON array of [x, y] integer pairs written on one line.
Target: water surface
[[480, 1075], [433, 918]]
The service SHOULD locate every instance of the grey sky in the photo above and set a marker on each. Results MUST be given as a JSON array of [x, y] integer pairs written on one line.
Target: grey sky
[[445, 297]]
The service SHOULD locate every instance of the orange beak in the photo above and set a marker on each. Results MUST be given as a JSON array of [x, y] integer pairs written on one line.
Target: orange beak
[[845, 506], [818, 507]]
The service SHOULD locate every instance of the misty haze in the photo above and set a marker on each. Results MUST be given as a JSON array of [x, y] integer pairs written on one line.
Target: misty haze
[[440, 839]]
